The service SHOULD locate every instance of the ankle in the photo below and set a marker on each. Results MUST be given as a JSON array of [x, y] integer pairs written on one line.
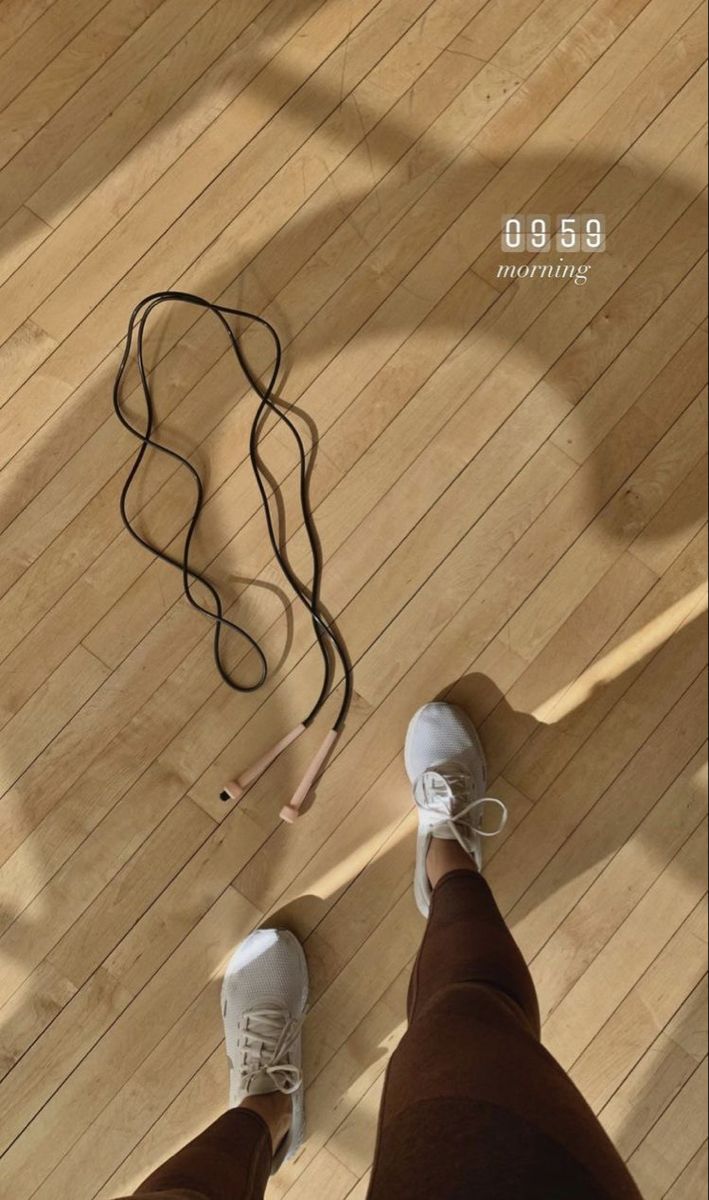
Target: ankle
[[445, 856], [276, 1110]]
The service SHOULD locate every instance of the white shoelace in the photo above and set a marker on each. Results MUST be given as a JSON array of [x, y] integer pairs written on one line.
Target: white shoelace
[[466, 823], [265, 1036]]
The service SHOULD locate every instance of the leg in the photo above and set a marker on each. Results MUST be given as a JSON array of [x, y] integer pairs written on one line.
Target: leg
[[473, 1104], [231, 1160]]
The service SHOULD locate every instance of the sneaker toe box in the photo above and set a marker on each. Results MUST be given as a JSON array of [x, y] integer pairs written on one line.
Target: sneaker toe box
[[440, 733]]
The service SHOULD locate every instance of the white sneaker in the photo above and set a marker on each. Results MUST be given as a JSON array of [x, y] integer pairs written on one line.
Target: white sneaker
[[264, 1002], [446, 764]]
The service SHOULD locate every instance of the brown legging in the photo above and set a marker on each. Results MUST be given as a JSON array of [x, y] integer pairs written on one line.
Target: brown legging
[[473, 1105]]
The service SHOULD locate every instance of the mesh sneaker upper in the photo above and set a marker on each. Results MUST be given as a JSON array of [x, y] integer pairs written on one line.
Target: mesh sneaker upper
[[267, 971], [441, 733]]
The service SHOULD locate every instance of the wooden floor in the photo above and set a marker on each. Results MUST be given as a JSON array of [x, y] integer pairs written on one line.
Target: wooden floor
[[510, 493]]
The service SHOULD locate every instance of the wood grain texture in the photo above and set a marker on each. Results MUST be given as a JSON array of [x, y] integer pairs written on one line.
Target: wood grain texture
[[510, 492]]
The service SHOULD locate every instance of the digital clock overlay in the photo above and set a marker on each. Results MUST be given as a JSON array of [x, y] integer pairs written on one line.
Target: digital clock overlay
[[533, 233]]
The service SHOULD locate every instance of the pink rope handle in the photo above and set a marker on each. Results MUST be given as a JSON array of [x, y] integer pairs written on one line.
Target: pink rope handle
[[236, 787], [291, 812]]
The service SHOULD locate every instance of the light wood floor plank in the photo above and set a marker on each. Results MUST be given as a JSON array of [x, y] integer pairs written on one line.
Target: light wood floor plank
[[320, 44], [614, 1054], [42, 41], [691, 1184], [679, 519], [57, 88], [193, 76], [17, 16], [575, 942], [661, 911], [32, 1007], [659, 1077], [360, 1191], [675, 1140], [656, 620], [351, 1143], [537, 696], [578, 787], [108, 198], [327, 1177], [19, 237]]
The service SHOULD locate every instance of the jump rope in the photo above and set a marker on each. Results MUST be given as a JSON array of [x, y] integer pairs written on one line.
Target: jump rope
[[331, 645]]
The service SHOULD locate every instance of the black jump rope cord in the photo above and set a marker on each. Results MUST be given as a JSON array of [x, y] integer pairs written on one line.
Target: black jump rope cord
[[329, 640]]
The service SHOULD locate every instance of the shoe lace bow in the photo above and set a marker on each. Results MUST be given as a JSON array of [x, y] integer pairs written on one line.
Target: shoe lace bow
[[464, 819], [265, 1038]]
